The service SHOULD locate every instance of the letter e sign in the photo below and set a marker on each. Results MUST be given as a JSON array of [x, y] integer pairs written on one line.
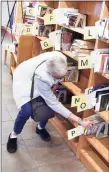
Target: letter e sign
[[46, 44]]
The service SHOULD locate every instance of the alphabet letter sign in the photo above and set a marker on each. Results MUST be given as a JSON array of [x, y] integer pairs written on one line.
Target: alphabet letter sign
[[46, 44], [84, 62], [81, 102], [49, 19], [75, 132], [90, 32]]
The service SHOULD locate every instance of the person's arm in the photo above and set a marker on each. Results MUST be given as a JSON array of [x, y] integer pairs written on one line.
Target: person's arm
[[47, 94]]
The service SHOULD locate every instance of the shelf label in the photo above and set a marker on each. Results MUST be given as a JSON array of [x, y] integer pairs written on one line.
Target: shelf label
[[27, 29], [81, 102], [49, 19], [75, 132], [30, 12], [46, 44], [75, 100], [84, 62], [90, 32]]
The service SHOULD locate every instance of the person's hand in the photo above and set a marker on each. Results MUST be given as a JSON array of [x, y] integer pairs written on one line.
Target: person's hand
[[87, 123], [54, 88]]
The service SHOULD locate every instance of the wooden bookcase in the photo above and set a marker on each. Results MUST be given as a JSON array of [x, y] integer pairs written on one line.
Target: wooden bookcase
[[92, 152]]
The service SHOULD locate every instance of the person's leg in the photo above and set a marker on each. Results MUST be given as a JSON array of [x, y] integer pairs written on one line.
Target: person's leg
[[22, 117], [44, 113]]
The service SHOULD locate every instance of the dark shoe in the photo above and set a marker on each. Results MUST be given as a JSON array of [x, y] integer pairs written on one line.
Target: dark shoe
[[12, 145], [43, 134]]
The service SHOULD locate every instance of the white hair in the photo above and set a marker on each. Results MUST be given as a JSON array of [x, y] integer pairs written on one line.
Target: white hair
[[57, 65]]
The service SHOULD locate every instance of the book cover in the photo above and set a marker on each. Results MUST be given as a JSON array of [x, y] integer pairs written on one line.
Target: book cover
[[104, 100], [106, 65], [103, 57], [72, 74], [66, 41]]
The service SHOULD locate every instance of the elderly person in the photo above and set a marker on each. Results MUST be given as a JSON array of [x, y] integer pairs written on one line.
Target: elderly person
[[48, 68]]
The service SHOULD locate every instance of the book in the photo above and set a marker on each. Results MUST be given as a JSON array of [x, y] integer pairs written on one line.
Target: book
[[42, 10], [48, 29], [94, 88], [103, 57], [72, 74], [55, 37], [103, 102], [87, 45], [66, 40], [76, 20], [62, 14], [106, 65], [96, 58]]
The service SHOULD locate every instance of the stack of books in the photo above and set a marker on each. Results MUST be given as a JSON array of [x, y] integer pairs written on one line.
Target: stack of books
[[40, 29], [100, 60], [42, 10], [99, 97], [81, 48]]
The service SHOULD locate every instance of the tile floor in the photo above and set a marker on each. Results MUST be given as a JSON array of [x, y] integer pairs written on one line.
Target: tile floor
[[33, 154]]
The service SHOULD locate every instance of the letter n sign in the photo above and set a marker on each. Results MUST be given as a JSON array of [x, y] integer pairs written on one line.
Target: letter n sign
[[46, 44], [84, 62]]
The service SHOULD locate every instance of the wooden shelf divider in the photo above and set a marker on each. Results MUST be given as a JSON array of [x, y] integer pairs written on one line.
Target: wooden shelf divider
[[72, 87], [59, 126], [101, 145], [92, 161], [104, 115]]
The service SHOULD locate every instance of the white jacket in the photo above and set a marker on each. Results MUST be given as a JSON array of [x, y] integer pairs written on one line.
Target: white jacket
[[22, 81]]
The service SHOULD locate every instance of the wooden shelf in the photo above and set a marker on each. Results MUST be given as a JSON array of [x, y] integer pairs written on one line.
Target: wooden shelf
[[106, 76], [72, 87], [62, 130], [69, 53], [42, 38], [101, 145], [15, 57], [42, 18], [12, 69], [92, 161], [104, 115], [104, 40], [79, 30]]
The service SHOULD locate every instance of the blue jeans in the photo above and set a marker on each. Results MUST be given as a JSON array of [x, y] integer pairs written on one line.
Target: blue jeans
[[26, 112]]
